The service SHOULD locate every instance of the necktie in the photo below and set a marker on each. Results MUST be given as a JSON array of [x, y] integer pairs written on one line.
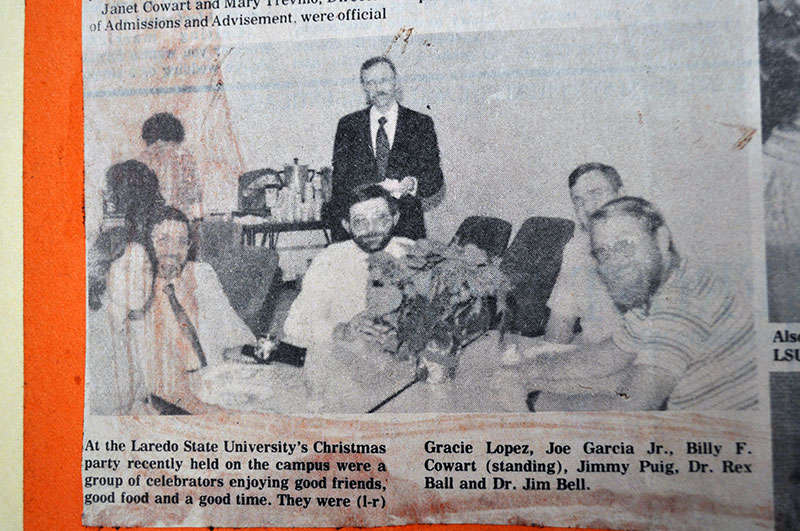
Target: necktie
[[382, 148], [186, 325]]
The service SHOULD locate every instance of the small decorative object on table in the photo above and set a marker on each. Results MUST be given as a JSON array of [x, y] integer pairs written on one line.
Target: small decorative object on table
[[440, 355], [438, 298], [261, 351]]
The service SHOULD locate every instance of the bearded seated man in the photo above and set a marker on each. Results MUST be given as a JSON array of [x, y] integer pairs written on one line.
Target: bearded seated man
[[334, 290], [686, 341]]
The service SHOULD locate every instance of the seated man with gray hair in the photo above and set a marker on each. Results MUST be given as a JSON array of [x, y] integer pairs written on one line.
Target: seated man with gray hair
[[686, 340]]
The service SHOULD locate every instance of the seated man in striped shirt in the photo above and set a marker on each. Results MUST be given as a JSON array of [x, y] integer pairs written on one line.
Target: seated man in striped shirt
[[685, 342]]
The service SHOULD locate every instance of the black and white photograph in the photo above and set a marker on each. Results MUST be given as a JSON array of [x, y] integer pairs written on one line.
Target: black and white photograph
[[504, 221], [779, 39]]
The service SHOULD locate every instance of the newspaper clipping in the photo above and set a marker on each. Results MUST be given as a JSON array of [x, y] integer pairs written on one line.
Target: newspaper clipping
[[373, 262]]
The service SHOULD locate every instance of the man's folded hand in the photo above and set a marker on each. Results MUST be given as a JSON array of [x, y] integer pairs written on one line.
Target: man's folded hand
[[366, 329], [369, 328], [408, 186]]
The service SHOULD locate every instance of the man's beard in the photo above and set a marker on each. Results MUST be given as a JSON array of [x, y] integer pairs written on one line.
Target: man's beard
[[169, 267], [632, 286], [382, 97], [374, 242]]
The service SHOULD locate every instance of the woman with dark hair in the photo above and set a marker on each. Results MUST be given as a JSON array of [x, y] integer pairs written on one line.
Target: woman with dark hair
[[120, 280], [132, 189], [175, 167]]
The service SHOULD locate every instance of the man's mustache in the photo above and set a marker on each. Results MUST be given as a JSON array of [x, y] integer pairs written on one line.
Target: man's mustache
[[622, 273], [170, 262], [169, 257]]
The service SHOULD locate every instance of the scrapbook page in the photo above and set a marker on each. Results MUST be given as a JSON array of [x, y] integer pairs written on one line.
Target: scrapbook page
[[371, 263]]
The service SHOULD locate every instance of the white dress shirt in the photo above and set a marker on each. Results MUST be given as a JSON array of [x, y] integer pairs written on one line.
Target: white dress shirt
[[390, 126], [334, 291], [168, 354], [391, 185], [579, 291]]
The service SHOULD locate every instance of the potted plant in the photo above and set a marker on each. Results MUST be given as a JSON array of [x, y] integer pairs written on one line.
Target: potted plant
[[437, 298]]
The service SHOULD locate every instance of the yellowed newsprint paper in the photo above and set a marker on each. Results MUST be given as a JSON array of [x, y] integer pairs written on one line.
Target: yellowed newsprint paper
[[367, 263]]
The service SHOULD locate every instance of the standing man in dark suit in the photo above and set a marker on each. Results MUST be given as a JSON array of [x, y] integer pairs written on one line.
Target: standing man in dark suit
[[388, 144]]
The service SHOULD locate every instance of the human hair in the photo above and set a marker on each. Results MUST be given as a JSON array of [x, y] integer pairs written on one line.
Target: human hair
[[134, 190], [609, 172], [372, 61], [634, 207], [168, 213], [130, 184], [366, 192], [162, 126]]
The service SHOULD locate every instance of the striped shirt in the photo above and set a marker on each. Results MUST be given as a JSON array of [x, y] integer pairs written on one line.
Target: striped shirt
[[702, 333]]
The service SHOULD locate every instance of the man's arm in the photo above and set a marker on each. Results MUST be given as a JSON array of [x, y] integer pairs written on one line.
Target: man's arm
[[347, 173], [342, 157], [426, 154], [353, 162], [309, 320], [642, 388], [568, 291], [583, 386], [591, 361], [560, 328]]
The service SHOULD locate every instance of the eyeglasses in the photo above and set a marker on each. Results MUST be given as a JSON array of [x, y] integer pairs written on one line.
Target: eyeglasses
[[621, 249], [372, 83], [596, 196], [172, 242], [364, 224]]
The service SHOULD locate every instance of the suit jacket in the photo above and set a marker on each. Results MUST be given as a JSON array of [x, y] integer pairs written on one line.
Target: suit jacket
[[414, 152]]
